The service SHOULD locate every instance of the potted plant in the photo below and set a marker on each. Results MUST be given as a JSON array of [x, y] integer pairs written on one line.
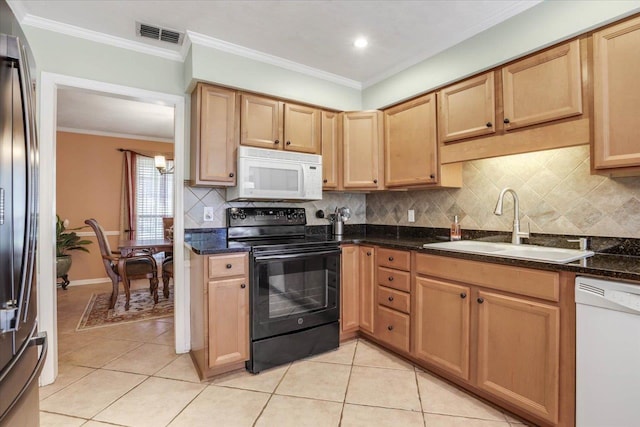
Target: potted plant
[[67, 240]]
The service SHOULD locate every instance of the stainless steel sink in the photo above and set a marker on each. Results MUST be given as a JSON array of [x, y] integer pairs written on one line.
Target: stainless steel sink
[[508, 250]]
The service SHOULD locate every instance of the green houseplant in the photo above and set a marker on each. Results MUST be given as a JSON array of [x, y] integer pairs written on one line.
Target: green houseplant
[[67, 240]]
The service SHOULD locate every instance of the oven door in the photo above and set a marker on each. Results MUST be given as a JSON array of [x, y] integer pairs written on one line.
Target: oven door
[[294, 291]]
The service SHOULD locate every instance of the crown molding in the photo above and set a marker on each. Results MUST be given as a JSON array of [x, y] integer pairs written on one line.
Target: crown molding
[[221, 45], [114, 134], [83, 33]]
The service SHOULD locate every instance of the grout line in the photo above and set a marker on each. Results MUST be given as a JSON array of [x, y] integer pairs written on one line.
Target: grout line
[[415, 372], [346, 390], [189, 403], [271, 395]]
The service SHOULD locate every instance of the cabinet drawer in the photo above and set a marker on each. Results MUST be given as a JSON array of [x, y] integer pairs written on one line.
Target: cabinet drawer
[[395, 279], [394, 299], [394, 259], [392, 327], [228, 265], [523, 281]]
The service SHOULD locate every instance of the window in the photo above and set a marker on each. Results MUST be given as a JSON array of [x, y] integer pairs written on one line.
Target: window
[[154, 198]]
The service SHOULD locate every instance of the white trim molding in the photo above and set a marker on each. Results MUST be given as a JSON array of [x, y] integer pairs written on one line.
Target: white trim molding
[[245, 52], [114, 134], [47, 304], [92, 234], [84, 282]]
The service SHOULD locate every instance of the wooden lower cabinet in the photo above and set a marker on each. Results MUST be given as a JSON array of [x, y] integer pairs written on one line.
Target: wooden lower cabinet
[[518, 352], [219, 312], [441, 325], [349, 291], [367, 288]]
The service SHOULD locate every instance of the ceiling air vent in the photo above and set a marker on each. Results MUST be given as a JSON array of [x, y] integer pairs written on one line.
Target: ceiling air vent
[[157, 33]]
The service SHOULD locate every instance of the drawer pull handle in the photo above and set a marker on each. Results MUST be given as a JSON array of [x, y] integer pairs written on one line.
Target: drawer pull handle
[[391, 278], [463, 295], [288, 142], [375, 181], [229, 266], [506, 121], [390, 327], [390, 298], [480, 300], [243, 286], [390, 258], [489, 124]]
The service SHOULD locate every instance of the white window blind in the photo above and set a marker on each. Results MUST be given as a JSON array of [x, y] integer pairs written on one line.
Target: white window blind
[[154, 198]]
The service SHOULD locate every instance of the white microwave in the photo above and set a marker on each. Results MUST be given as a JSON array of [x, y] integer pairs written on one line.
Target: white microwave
[[276, 175]]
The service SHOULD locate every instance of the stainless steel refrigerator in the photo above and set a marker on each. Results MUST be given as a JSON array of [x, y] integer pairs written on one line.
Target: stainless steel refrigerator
[[22, 349]]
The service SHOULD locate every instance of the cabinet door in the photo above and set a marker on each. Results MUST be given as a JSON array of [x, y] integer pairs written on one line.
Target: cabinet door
[[440, 324], [228, 321], [350, 289], [367, 288], [616, 95], [410, 146], [544, 87], [467, 109], [215, 135], [518, 352], [302, 128], [362, 150], [331, 150], [260, 122]]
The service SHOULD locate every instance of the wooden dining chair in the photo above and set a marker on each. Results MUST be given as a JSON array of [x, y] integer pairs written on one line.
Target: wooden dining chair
[[167, 273], [137, 265]]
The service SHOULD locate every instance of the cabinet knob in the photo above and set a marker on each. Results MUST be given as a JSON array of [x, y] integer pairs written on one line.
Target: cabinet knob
[[229, 266], [391, 278], [432, 176], [375, 181], [489, 124], [480, 300], [390, 258], [506, 121], [243, 286], [390, 298], [368, 253], [325, 180], [463, 295], [288, 142], [231, 175], [390, 327], [277, 141]]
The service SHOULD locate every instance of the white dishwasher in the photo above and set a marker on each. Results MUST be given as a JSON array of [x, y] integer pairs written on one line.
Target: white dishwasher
[[607, 353]]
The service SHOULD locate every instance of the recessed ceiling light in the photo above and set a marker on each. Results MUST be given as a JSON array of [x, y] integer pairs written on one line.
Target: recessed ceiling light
[[361, 42]]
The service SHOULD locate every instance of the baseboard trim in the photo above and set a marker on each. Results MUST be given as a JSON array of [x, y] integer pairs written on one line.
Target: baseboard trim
[[89, 281]]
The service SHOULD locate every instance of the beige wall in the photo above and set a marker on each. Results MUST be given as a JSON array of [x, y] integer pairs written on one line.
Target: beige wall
[[88, 185], [557, 193]]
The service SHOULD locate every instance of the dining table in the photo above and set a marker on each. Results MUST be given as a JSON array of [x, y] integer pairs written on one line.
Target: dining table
[[153, 246]]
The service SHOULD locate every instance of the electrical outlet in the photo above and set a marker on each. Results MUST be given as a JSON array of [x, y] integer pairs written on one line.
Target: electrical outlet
[[411, 215], [208, 214]]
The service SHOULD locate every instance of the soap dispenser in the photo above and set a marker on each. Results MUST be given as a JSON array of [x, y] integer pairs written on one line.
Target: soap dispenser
[[456, 232]]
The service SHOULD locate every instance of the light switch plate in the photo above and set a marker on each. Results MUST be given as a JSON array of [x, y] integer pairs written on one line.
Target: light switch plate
[[208, 214], [411, 215]]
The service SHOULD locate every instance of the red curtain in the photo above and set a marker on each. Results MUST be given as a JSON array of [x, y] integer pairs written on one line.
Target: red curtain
[[129, 195]]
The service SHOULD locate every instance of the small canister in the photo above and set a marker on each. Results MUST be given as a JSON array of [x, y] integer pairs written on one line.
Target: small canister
[[338, 226]]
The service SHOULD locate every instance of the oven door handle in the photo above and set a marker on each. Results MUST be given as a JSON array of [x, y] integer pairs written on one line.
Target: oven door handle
[[296, 255]]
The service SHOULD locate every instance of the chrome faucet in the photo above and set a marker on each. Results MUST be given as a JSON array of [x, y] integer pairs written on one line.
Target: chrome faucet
[[517, 235]]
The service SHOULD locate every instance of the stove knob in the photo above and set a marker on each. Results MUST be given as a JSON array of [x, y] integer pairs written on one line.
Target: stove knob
[[243, 216], [234, 215]]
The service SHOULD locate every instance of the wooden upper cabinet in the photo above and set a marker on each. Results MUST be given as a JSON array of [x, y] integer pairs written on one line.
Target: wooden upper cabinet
[[519, 352], [362, 150], [302, 128], [543, 87], [617, 95], [410, 145], [260, 122], [467, 109], [214, 136], [331, 150]]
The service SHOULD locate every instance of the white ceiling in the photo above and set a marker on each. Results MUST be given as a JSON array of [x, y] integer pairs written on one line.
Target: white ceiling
[[316, 34]]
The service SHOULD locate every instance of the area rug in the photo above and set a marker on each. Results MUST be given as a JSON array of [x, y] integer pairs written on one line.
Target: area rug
[[141, 307]]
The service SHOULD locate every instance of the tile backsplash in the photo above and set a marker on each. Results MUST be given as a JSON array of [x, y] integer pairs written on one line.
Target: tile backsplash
[[196, 198], [556, 191]]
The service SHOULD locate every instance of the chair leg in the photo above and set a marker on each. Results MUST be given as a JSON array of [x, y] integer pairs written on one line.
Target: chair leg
[[127, 291], [165, 284], [154, 286], [114, 292]]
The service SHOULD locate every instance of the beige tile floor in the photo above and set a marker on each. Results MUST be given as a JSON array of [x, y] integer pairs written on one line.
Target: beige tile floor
[[129, 375]]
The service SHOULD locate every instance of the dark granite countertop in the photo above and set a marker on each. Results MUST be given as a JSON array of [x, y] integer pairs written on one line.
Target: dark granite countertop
[[614, 259]]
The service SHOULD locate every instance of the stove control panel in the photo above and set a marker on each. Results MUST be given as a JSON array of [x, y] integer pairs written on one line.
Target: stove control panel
[[246, 217]]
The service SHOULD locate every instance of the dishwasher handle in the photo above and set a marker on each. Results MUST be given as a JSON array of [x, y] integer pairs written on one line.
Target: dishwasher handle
[[609, 295]]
